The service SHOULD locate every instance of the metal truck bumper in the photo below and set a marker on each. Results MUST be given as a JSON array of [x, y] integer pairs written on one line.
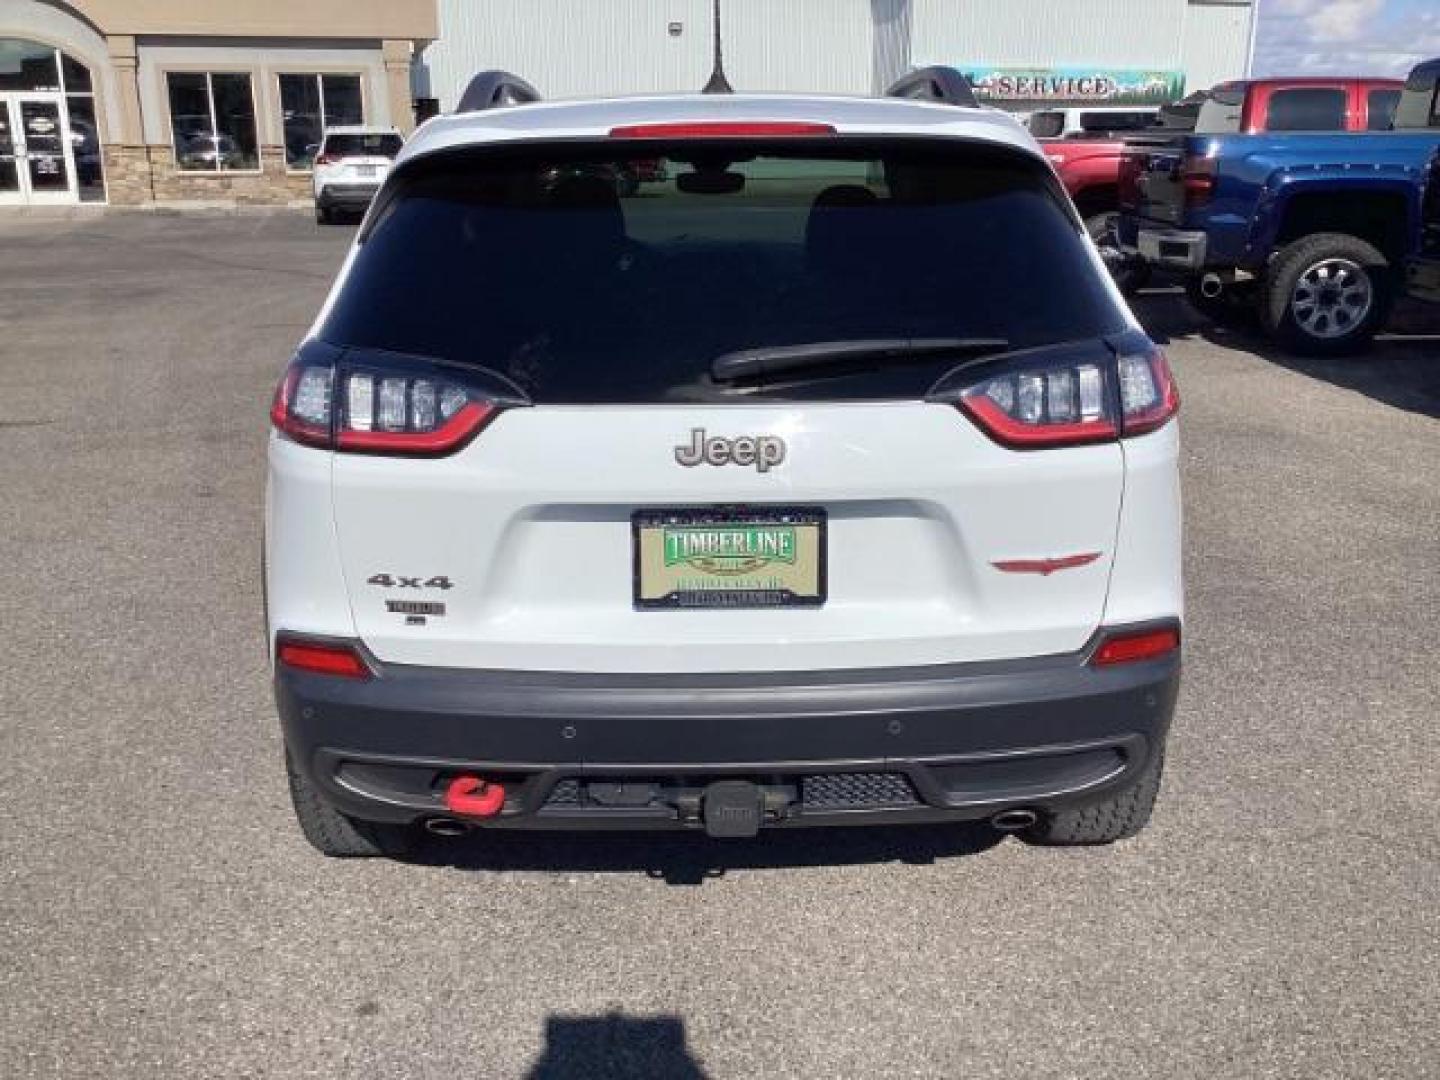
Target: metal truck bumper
[[1175, 248], [642, 751]]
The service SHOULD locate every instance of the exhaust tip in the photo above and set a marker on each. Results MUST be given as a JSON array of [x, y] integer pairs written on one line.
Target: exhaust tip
[[444, 826], [1014, 820], [1211, 286]]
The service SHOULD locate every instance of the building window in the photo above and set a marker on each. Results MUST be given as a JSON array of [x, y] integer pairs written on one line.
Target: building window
[[311, 103], [212, 119]]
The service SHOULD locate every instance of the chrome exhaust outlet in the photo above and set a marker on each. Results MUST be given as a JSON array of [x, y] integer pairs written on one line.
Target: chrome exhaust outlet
[[444, 826], [1211, 286], [1014, 820]]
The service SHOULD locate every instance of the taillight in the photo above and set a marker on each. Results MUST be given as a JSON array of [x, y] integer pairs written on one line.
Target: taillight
[[1052, 406], [326, 159], [322, 658], [1197, 177], [1073, 403], [377, 411], [1131, 647], [1148, 396]]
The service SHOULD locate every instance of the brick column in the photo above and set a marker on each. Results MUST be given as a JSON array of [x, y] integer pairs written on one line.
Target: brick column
[[127, 160], [396, 55]]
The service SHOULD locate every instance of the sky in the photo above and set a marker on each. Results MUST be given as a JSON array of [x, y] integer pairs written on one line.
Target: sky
[[1360, 37]]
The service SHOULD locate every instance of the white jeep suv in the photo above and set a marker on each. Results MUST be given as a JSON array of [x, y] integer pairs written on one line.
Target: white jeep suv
[[825, 480], [350, 164]]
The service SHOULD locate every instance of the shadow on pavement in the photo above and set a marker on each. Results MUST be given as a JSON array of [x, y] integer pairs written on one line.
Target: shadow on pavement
[[1402, 370], [692, 858], [615, 1047]]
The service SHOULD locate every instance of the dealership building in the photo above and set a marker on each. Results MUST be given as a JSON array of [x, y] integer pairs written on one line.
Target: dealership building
[[193, 101], [1021, 53], [146, 102]]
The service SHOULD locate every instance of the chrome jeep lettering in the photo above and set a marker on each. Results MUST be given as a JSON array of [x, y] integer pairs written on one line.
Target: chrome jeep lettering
[[762, 451]]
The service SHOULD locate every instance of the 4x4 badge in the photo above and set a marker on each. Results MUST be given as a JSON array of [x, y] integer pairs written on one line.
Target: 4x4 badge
[[762, 451]]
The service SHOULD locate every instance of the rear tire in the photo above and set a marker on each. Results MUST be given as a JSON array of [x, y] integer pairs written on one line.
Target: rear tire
[[1119, 817], [338, 836], [1327, 295], [323, 214]]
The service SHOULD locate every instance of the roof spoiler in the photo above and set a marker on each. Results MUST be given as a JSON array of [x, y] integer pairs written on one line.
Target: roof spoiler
[[943, 85], [496, 90]]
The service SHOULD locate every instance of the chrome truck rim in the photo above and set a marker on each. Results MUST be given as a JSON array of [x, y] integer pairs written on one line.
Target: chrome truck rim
[[1332, 298]]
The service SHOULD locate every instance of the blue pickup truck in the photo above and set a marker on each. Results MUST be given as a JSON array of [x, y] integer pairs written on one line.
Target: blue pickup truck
[[1314, 232]]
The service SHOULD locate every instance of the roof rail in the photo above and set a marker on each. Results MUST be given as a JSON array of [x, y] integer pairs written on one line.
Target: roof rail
[[944, 85], [496, 90]]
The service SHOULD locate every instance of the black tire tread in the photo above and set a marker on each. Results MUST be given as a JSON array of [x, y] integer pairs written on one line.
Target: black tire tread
[[1119, 817], [1280, 282], [337, 836]]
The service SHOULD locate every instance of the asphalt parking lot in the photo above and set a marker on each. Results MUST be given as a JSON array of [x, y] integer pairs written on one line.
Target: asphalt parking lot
[[161, 916]]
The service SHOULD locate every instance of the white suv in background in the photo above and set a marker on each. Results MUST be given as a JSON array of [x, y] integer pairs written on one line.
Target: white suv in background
[[350, 165], [826, 479]]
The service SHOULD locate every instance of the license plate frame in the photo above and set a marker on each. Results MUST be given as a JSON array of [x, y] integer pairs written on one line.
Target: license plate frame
[[728, 518]]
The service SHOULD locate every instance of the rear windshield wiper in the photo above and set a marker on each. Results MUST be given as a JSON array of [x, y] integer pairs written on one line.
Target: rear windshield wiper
[[746, 363]]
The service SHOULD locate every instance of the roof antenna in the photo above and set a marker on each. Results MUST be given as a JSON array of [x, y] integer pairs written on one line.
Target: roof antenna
[[718, 84]]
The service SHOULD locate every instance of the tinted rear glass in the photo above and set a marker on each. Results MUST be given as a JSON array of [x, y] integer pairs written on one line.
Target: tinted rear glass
[[1118, 121], [1311, 108], [601, 279], [361, 145], [1047, 125], [1382, 109]]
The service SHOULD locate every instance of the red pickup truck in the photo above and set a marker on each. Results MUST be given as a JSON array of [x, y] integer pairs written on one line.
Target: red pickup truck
[[1088, 160]]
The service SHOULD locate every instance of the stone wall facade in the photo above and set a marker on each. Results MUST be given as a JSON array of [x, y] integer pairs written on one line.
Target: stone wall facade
[[148, 175]]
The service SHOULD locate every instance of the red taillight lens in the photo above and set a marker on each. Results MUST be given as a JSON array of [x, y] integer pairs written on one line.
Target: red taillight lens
[[1148, 397], [326, 159], [377, 412], [1128, 648], [722, 129], [302, 406], [1197, 177], [322, 658], [1070, 404], [1054, 406]]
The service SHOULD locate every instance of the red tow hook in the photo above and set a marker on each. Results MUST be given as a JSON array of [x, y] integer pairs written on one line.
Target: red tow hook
[[473, 797]]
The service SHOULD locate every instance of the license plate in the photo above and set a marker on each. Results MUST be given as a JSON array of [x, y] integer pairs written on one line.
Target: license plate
[[731, 558], [365, 170]]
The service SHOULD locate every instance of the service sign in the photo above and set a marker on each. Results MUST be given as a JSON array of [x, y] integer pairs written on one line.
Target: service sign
[[1077, 85]]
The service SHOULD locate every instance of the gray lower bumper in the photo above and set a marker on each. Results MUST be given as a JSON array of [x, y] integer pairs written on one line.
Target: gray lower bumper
[[915, 744]]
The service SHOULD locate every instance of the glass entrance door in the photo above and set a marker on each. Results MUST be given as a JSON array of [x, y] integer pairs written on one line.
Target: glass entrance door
[[10, 190], [37, 161]]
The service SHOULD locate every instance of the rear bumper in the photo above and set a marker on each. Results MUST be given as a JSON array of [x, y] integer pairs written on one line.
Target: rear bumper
[[347, 195], [627, 751], [1179, 249]]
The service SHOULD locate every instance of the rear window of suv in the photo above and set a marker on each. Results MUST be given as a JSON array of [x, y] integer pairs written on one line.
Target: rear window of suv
[[360, 144], [585, 277]]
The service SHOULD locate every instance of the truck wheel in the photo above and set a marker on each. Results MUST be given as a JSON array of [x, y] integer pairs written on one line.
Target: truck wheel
[[1130, 272], [338, 836], [1327, 294], [323, 214], [1117, 818]]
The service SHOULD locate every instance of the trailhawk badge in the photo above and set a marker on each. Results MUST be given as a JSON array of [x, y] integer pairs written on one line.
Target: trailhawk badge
[[762, 451]]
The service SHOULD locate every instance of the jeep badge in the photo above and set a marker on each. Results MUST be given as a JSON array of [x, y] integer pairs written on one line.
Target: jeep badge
[[762, 451]]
